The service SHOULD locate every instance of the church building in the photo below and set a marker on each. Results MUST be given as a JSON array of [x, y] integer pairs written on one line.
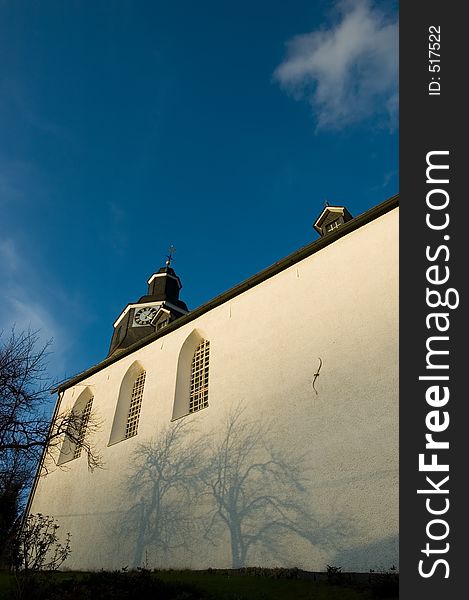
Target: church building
[[259, 429]]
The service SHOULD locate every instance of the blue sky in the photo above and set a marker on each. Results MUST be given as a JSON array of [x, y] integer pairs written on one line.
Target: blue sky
[[220, 128]]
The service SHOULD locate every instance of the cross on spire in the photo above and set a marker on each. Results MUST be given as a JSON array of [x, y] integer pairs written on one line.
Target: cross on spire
[[169, 256]]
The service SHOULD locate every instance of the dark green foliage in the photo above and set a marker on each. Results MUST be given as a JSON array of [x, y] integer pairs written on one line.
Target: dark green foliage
[[35, 548], [385, 584], [12, 482], [133, 585], [272, 573], [334, 574], [253, 583]]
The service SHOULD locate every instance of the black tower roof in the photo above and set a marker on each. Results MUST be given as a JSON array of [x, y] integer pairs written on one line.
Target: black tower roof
[[164, 286], [159, 307]]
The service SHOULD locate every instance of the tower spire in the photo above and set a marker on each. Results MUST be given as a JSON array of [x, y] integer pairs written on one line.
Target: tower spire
[[159, 307]]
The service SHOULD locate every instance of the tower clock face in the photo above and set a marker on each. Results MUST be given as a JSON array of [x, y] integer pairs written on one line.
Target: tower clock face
[[144, 316]]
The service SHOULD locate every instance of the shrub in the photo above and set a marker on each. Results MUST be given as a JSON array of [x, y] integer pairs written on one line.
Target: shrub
[[37, 546]]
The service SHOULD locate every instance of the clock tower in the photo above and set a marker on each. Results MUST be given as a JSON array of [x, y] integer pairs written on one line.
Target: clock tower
[[159, 307]]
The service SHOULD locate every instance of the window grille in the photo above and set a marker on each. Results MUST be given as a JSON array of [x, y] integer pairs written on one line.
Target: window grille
[[85, 417], [135, 406], [162, 324], [199, 377], [334, 225]]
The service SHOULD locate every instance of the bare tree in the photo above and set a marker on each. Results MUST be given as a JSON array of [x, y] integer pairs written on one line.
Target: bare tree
[[164, 479], [72, 430], [23, 392], [26, 433], [25, 423]]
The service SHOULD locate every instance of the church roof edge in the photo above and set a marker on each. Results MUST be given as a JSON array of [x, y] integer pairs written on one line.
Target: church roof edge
[[303, 252]]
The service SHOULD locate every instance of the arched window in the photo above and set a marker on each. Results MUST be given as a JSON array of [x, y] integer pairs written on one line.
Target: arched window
[[135, 406], [77, 427], [192, 378], [129, 404], [82, 425], [198, 397]]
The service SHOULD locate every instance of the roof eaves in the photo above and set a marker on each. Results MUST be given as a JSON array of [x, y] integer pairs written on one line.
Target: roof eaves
[[277, 267]]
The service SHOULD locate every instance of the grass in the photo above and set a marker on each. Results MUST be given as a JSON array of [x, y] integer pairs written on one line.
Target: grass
[[181, 585], [242, 587]]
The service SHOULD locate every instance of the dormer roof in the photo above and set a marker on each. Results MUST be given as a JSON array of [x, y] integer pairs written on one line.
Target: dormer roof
[[331, 218]]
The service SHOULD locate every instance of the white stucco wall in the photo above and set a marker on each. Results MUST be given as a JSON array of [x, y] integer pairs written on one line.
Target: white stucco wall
[[325, 490]]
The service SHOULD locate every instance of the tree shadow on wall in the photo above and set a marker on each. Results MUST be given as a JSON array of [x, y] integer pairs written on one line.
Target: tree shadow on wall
[[164, 482], [190, 488], [259, 494]]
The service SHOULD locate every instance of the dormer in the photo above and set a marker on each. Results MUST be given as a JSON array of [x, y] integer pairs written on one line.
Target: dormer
[[331, 218]]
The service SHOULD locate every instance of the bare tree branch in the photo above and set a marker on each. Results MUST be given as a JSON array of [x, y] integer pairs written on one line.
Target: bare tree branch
[[26, 433]]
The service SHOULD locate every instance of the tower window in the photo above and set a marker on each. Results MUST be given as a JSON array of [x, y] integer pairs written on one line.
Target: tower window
[[198, 398], [135, 406], [334, 225], [85, 417], [162, 324]]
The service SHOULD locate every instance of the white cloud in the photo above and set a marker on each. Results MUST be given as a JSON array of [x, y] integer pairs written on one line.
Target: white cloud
[[22, 297], [9, 259], [348, 72], [20, 180], [116, 234], [15, 95]]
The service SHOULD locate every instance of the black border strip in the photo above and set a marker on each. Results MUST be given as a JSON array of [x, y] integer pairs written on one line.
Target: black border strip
[[433, 118]]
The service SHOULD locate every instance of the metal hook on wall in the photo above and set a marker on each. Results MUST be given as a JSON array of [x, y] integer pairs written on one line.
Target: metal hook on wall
[[316, 375]]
